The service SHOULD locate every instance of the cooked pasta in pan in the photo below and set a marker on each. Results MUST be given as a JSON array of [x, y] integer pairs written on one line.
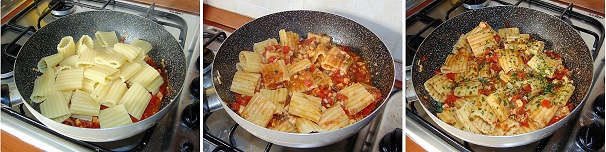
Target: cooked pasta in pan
[[302, 86], [501, 83], [100, 83]]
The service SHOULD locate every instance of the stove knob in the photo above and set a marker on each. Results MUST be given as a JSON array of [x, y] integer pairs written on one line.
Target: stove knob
[[598, 106], [194, 88], [591, 137], [392, 142], [191, 115], [187, 147]]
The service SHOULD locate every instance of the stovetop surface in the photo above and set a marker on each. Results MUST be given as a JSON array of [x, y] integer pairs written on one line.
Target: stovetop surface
[[169, 134], [562, 140]]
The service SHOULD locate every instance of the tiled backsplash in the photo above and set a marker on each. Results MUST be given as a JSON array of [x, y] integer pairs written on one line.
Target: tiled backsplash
[[384, 17]]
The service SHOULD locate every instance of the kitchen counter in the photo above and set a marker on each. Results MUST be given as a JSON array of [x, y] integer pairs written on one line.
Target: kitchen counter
[[12, 143], [186, 6], [223, 19]]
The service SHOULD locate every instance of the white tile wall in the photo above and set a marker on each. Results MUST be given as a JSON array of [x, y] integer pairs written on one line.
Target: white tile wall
[[383, 17]]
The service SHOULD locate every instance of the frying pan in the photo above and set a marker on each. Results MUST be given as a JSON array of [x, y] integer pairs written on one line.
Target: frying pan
[[343, 32], [44, 43], [556, 34]]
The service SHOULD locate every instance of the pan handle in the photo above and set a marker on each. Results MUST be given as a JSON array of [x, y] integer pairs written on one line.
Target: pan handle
[[211, 100]]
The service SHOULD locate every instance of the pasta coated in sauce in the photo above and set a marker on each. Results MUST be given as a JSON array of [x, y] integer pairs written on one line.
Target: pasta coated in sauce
[[501, 83], [302, 86]]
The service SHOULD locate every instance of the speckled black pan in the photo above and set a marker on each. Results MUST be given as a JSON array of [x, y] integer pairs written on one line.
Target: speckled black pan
[[342, 30], [556, 34], [44, 43]]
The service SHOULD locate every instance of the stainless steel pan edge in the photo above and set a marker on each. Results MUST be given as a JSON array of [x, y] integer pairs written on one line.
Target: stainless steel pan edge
[[551, 29], [43, 43], [303, 21]]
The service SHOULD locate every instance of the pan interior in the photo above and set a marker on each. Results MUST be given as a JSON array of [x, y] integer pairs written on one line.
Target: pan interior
[[342, 30], [557, 35], [166, 50]]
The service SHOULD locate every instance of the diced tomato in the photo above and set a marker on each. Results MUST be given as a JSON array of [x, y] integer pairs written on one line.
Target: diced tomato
[[493, 87], [451, 76], [312, 68], [531, 37], [501, 46], [520, 110], [309, 40], [337, 72], [268, 48], [285, 49], [346, 49], [551, 54], [507, 24], [495, 57], [341, 97], [559, 74], [496, 67], [521, 75], [497, 38], [514, 98], [480, 60], [557, 56], [366, 111], [484, 91], [546, 104], [276, 47], [524, 123], [242, 100], [526, 89], [570, 106], [235, 106], [308, 82], [271, 59], [554, 120], [424, 58], [437, 71], [450, 100]]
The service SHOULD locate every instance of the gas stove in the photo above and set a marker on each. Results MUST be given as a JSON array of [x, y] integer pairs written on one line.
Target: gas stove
[[221, 132], [177, 130], [571, 137]]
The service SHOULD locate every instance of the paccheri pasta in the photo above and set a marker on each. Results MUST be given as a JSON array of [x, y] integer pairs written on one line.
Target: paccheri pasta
[[302, 86], [501, 83], [100, 83]]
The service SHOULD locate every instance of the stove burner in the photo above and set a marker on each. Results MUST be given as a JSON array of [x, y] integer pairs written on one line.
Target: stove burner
[[475, 4], [194, 87], [591, 137], [412, 47], [8, 59], [392, 141], [5, 95], [208, 59], [198, 63], [191, 115], [598, 106], [63, 8]]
